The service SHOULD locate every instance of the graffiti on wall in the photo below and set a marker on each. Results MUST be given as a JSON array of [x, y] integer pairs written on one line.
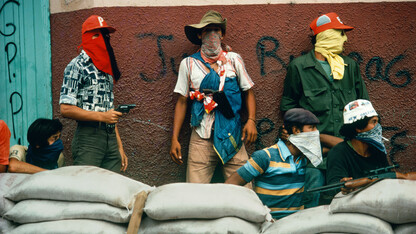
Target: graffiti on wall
[[267, 48], [10, 53]]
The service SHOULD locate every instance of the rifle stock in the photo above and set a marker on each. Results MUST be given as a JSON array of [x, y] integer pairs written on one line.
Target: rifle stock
[[357, 183]]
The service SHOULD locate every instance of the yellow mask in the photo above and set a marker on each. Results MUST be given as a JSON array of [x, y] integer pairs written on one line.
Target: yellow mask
[[330, 43]]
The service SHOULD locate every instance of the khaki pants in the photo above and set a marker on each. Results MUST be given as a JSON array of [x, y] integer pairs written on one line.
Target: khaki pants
[[202, 160]]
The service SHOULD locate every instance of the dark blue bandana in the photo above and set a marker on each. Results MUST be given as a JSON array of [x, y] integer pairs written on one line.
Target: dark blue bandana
[[373, 137], [45, 157]]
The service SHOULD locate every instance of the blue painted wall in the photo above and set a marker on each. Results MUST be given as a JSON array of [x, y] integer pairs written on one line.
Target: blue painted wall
[[25, 65]]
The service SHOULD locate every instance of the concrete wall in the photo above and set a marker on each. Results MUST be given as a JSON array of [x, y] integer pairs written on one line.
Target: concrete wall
[[150, 43]]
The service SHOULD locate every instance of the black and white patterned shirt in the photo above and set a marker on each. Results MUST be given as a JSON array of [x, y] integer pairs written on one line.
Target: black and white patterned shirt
[[85, 86]]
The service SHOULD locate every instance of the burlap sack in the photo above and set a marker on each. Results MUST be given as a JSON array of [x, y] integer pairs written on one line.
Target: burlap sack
[[204, 201], [7, 181], [71, 226], [392, 200], [408, 228], [195, 226], [79, 183], [320, 220], [33, 211]]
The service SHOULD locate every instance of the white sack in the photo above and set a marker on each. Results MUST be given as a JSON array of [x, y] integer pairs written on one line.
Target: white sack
[[32, 211], [204, 201], [195, 226], [71, 226], [6, 226], [7, 181], [408, 228], [392, 200], [79, 183], [319, 219]]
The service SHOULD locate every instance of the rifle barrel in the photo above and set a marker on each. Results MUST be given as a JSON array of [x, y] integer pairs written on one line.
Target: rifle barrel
[[326, 187]]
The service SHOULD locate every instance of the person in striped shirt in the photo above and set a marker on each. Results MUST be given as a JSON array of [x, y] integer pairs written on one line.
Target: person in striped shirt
[[279, 170]]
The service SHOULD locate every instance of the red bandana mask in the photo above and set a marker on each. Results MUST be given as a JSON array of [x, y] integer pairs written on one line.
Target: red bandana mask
[[97, 50]]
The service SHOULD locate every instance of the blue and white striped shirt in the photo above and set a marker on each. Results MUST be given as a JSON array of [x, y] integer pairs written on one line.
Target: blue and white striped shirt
[[279, 180]]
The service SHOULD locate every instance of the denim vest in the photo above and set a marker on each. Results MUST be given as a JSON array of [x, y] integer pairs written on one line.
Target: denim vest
[[227, 132]]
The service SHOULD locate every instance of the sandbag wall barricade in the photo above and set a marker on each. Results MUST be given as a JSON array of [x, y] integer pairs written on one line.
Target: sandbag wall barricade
[[73, 199], [386, 206], [203, 208], [7, 181]]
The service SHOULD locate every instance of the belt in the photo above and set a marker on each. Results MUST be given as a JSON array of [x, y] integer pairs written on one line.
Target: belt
[[100, 125]]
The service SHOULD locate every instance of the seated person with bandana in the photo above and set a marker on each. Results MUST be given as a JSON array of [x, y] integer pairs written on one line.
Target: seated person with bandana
[[363, 148], [44, 151], [279, 170]]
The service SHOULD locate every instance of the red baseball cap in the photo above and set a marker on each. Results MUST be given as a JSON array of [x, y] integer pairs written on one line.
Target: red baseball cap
[[95, 22], [328, 21]]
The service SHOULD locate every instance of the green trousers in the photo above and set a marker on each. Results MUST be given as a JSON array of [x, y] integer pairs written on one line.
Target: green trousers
[[96, 147]]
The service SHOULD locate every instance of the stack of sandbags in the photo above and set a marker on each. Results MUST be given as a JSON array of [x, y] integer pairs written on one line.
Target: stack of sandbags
[[203, 208], [7, 181], [392, 200], [321, 220], [74, 199], [387, 206]]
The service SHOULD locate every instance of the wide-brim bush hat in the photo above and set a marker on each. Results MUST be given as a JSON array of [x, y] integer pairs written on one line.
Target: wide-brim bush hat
[[328, 21], [211, 17]]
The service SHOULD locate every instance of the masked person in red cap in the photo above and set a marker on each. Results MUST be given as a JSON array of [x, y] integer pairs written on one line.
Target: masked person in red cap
[[213, 78], [323, 82], [87, 97]]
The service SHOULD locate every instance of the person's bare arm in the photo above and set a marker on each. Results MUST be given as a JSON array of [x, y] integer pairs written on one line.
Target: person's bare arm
[[124, 159], [76, 113], [180, 112], [249, 134], [16, 166], [236, 179]]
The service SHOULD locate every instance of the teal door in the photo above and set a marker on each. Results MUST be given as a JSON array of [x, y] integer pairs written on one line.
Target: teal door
[[25, 65]]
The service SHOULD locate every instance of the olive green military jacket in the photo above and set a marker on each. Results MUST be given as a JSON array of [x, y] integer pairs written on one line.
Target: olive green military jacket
[[308, 86]]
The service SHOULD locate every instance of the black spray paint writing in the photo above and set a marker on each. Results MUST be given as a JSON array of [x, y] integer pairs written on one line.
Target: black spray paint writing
[[10, 56], [404, 76]]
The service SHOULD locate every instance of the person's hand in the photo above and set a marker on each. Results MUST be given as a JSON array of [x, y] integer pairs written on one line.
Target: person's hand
[[111, 116], [346, 190], [249, 134], [283, 134], [124, 160], [175, 152]]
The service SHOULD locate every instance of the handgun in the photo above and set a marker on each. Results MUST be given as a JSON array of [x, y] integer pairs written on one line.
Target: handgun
[[125, 108]]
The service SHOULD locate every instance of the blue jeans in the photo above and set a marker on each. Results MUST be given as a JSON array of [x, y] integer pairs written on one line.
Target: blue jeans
[[313, 178]]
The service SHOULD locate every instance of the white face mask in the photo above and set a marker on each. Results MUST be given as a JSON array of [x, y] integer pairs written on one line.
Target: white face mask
[[309, 144]]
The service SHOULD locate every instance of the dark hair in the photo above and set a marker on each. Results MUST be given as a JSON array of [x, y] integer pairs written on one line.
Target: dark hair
[[349, 130], [41, 129], [289, 125]]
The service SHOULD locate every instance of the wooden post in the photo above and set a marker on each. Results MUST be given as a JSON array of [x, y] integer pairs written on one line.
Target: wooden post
[[136, 216]]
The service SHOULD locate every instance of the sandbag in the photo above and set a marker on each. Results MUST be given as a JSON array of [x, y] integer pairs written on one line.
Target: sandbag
[[71, 226], [408, 228], [79, 183], [392, 200], [195, 226], [32, 211], [7, 181], [6, 226], [204, 201], [319, 220]]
